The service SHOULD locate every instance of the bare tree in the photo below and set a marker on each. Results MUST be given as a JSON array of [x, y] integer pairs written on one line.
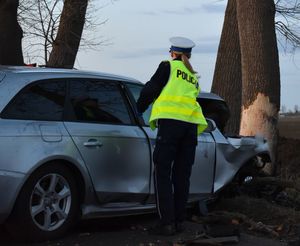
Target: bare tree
[[287, 22], [227, 80], [10, 34], [260, 70], [66, 44], [41, 20], [283, 109]]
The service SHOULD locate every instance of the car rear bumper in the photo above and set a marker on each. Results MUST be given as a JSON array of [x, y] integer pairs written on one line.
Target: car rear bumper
[[9, 187]]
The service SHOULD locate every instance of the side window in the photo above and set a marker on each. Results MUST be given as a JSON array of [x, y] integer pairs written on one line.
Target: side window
[[136, 90], [44, 100], [98, 101]]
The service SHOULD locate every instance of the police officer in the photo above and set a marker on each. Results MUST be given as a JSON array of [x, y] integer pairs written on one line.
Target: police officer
[[173, 90]]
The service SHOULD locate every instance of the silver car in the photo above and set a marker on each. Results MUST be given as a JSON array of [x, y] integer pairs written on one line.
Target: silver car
[[72, 146]]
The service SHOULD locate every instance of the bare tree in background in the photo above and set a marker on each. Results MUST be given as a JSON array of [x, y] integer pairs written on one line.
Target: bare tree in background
[[41, 21], [260, 71], [283, 109], [287, 22], [10, 34], [227, 80], [66, 43]]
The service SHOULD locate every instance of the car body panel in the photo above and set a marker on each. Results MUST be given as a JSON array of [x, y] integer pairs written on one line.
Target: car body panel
[[202, 177], [119, 164], [2, 75], [203, 168], [10, 184], [26, 145], [232, 154], [114, 161]]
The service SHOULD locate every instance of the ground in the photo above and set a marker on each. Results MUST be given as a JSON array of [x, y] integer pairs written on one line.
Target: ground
[[267, 211], [130, 231], [271, 206]]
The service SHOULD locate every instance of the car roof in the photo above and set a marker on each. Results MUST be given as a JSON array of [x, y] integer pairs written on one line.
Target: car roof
[[38, 70]]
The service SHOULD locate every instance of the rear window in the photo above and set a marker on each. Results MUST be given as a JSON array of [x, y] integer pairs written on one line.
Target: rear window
[[44, 100]]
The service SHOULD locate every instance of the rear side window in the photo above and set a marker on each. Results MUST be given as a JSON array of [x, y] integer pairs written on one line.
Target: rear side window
[[98, 102], [44, 100]]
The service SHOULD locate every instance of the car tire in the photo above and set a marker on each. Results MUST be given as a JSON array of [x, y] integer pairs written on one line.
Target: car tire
[[47, 206]]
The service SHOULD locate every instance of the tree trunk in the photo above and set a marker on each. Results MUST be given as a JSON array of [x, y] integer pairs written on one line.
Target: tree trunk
[[66, 44], [260, 71], [227, 81], [10, 34]]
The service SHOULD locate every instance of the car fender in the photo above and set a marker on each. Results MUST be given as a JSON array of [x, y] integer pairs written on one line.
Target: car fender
[[77, 162], [233, 154]]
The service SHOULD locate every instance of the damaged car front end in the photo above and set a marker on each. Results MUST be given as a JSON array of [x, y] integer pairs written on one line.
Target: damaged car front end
[[238, 158]]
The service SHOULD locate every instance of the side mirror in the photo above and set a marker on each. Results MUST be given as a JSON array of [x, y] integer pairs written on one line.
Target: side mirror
[[211, 125]]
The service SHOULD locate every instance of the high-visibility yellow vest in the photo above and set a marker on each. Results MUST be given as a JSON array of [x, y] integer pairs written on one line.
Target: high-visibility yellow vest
[[177, 99]]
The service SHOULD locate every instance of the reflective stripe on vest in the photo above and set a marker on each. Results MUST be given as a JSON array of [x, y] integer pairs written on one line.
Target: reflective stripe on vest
[[177, 100]]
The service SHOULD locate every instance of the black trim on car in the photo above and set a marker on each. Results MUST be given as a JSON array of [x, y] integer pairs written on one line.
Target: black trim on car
[[27, 87]]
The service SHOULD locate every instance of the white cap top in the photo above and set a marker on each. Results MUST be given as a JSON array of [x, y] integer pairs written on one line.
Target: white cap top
[[182, 42]]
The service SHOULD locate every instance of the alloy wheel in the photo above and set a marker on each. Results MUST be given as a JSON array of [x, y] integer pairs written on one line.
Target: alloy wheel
[[50, 202]]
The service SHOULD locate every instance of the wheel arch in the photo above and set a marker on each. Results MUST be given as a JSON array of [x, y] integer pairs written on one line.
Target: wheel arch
[[80, 181], [253, 165]]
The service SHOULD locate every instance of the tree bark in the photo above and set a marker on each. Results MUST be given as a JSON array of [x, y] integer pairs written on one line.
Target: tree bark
[[10, 34], [227, 80], [260, 71], [66, 44]]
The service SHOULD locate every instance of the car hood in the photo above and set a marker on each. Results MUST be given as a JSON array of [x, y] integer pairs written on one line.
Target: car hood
[[209, 95], [246, 141]]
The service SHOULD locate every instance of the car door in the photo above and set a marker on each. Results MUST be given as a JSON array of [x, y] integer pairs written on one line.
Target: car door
[[113, 147], [202, 177]]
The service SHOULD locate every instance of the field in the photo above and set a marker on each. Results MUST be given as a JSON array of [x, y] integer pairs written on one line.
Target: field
[[289, 126], [288, 146]]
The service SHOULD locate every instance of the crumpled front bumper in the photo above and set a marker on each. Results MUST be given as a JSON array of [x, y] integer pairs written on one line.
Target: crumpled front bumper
[[10, 183], [234, 153]]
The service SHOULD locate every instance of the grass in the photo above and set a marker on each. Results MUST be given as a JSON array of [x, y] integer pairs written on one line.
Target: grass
[[289, 127]]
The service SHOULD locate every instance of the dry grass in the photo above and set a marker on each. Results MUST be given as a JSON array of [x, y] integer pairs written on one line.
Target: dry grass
[[289, 127], [281, 222], [261, 210]]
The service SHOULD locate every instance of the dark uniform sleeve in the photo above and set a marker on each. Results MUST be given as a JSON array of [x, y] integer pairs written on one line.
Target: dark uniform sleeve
[[153, 87]]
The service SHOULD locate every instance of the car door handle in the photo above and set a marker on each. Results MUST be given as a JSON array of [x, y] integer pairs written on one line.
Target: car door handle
[[92, 143]]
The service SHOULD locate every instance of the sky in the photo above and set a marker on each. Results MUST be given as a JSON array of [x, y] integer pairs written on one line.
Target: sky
[[137, 32]]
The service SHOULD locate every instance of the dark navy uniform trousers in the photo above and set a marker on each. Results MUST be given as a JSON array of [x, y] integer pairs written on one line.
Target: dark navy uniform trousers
[[173, 157]]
